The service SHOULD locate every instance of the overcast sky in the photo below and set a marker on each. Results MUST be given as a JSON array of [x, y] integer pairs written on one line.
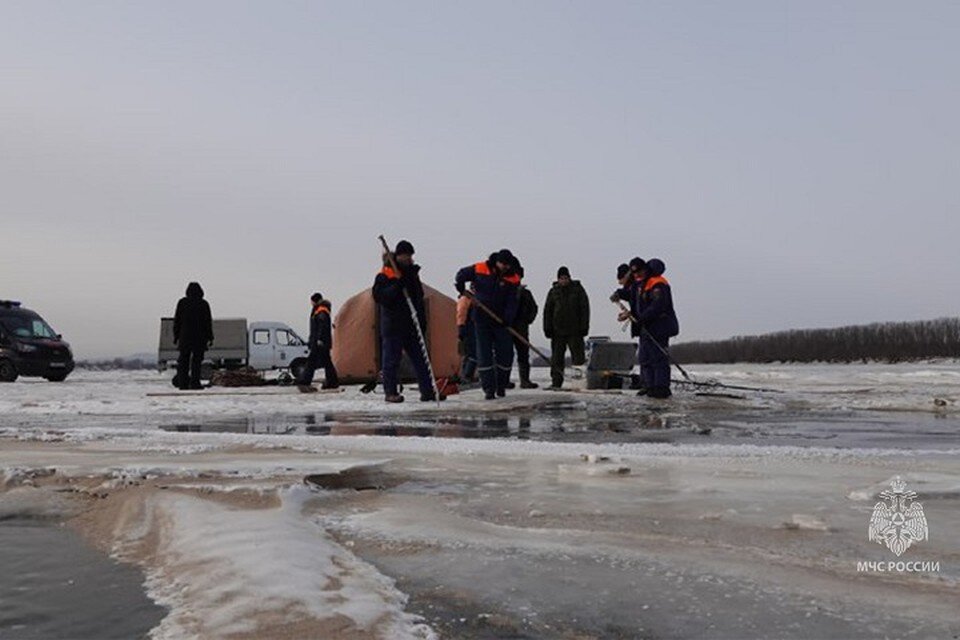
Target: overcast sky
[[794, 164]]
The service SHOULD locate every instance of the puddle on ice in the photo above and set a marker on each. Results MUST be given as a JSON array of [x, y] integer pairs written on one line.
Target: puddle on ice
[[844, 430], [54, 586]]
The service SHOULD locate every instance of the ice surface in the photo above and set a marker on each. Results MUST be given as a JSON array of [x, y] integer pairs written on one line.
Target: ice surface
[[222, 569], [928, 387], [512, 537]]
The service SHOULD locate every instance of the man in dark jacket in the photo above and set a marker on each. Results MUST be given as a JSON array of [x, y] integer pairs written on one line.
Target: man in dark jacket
[[566, 322], [526, 314], [320, 343], [658, 323], [496, 283], [629, 278], [192, 333], [398, 333]]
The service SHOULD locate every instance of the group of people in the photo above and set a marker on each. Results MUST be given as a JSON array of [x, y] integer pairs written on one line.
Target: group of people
[[652, 318], [494, 314], [566, 322]]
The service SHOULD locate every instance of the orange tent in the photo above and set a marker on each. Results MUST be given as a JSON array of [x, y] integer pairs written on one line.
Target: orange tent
[[356, 347]]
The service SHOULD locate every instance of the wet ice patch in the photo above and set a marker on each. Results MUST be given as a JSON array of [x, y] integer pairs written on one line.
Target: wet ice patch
[[225, 571], [35, 503], [927, 485]]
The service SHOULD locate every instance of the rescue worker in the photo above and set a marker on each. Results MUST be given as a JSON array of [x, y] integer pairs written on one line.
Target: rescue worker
[[398, 333], [466, 339], [193, 334], [658, 323], [320, 343], [527, 310], [566, 322], [626, 278], [495, 282]]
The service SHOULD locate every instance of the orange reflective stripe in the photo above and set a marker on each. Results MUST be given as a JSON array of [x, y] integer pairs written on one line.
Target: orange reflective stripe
[[654, 281], [320, 309], [483, 269], [390, 273]]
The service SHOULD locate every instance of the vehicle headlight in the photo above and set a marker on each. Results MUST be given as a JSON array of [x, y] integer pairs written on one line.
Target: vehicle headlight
[[26, 348]]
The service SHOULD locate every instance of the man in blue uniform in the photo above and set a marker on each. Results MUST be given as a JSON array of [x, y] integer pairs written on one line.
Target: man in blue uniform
[[496, 283]]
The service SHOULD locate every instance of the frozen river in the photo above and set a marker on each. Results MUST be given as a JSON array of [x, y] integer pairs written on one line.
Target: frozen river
[[572, 515]]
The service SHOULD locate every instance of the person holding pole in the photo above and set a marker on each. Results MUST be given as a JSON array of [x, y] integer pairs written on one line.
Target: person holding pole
[[654, 314], [396, 289], [496, 283]]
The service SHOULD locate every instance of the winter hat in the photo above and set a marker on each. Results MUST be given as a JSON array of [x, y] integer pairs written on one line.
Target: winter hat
[[622, 271], [637, 264], [506, 257], [316, 298], [563, 272], [656, 267], [404, 248]]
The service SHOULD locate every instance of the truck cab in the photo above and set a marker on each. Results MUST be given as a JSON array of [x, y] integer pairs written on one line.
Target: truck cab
[[274, 345], [30, 347]]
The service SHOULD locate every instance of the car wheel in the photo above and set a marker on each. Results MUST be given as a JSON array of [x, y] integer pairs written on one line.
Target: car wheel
[[297, 367], [56, 377], [8, 371]]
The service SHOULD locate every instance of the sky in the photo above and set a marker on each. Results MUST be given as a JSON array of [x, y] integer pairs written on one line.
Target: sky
[[795, 164]]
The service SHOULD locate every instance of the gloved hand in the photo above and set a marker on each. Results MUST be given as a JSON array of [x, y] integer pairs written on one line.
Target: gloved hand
[[615, 296], [623, 316], [461, 289]]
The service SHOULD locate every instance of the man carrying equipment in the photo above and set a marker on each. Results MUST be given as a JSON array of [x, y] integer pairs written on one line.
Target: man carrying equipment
[[398, 334], [496, 283], [655, 315]]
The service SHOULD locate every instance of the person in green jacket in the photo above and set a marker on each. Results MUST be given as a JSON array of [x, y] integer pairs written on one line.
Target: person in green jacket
[[566, 322]]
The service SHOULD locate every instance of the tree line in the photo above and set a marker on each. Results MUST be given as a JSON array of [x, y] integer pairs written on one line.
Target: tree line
[[884, 342]]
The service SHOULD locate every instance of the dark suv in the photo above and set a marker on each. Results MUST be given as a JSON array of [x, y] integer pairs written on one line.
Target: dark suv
[[29, 347]]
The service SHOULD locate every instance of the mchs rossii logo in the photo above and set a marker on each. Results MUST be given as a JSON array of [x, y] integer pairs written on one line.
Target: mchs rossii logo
[[898, 522], [898, 519]]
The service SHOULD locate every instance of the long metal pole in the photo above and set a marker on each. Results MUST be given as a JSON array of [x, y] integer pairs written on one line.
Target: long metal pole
[[654, 340], [516, 334]]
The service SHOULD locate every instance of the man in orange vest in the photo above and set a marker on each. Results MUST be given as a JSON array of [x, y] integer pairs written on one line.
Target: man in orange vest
[[398, 333], [496, 283], [320, 342], [658, 322]]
